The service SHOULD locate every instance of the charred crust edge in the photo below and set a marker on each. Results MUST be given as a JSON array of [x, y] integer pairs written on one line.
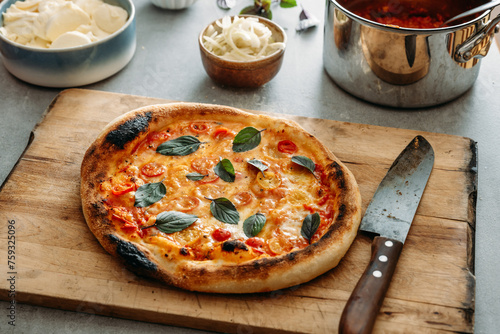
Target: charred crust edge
[[129, 130], [97, 210], [342, 211], [232, 245], [132, 256], [338, 174]]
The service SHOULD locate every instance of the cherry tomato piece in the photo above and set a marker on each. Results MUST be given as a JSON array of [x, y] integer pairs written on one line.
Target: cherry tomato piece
[[125, 217], [275, 246], [204, 165], [287, 146], [152, 169], [129, 228], [198, 127], [158, 137], [186, 203], [152, 141], [221, 234], [221, 133], [255, 242], [123, 188], [211, 178], [243, 198], [268, 181]]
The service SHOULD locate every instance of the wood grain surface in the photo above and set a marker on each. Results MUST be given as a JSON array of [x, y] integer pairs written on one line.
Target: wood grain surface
[[60, 264]]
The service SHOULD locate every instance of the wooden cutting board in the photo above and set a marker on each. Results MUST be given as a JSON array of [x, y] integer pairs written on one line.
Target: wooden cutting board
[[58, 262]]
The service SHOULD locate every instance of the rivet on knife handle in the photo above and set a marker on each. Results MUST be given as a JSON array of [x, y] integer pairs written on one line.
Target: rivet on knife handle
[[364, 304]]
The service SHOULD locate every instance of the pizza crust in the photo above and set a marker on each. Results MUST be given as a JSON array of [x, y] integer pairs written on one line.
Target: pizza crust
[[260, 275]]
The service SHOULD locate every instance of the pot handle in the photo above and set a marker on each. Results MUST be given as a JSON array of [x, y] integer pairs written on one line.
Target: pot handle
[[478, 45]]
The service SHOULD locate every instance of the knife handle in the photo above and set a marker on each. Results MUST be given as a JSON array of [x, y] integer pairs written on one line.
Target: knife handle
[[364, 304]]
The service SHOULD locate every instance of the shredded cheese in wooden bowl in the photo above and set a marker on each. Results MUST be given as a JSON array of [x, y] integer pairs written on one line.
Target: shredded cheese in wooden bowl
[[240, 39]]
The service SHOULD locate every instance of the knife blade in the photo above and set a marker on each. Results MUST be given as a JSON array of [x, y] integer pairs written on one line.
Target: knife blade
[[389, 216]]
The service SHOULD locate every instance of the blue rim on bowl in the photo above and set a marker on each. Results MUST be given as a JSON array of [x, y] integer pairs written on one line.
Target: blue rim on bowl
[[74, 66]]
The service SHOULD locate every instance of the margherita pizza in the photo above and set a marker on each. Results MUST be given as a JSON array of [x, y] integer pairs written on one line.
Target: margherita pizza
[[211, 198]]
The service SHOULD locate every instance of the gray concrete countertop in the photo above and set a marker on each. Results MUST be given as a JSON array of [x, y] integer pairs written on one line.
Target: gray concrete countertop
[[167, 65]]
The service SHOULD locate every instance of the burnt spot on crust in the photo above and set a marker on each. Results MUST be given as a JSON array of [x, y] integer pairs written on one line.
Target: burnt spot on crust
[[132, 256], [98, 211], [232, 245], [339, 223], [342, 211], [129, 130], [91, 150], [338, 174], [261, 268]]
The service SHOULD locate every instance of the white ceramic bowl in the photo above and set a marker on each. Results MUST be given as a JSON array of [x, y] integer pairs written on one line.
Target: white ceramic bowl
[[173, 4], [75, 66]]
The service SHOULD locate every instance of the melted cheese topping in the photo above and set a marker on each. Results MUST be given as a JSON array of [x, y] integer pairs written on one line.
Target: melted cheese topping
[[285, 194]]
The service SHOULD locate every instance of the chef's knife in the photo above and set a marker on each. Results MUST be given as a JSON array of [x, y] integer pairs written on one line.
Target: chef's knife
[[389, 215]]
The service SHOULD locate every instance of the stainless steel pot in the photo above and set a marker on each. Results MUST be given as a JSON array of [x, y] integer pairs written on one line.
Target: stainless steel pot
[[402, 67]]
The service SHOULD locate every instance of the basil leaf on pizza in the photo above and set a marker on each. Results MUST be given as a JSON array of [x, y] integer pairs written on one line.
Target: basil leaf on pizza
[[247, 139], [195, 176], [225, 170], [310, 226], [258, 164], [180, 146], [224, 210], [173, 221], [254, 224], [304, 162], [149, 193]]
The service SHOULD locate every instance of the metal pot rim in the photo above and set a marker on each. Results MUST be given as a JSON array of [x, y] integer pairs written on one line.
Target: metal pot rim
[[413, 31]]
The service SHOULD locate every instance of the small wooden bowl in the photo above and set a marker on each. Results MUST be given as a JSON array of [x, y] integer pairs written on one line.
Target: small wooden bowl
[[244, 74]]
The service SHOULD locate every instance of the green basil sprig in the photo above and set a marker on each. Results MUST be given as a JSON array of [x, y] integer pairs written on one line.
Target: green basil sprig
[[180, 146], [288, 3], [247, 139], [304, 162], [224, 210], [225, 170], [254, 224], [196, 176], [173, 221], [310, 226], [263, 7], [149, 193], [258, 164]]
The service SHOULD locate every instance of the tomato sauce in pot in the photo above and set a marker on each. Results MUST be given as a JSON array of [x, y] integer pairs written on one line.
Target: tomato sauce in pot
[[409, 14]]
